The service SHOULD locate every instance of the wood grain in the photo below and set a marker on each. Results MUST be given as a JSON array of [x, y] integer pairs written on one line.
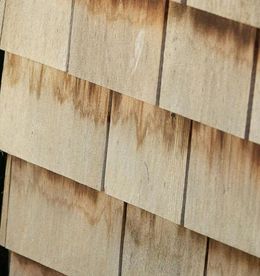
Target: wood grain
[[53, 120], [2, 8], [254, 134], [154, 246], [5, 202], [224, 260], [38, 29], [223, 195], [62, 224], [207, 68], [244, 11], [146, 158], [117, 44], [21, 266]]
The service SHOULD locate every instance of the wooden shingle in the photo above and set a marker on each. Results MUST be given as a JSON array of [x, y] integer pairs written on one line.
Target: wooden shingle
[[38, 30], [117, 44], [207, 68], [54, 120], [146, 158], [154, 246], [62, 224], [225, 260], [223, 194]]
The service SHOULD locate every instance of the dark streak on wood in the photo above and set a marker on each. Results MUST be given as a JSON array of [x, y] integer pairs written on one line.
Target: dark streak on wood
[[148, 120], [58, 190], [146, 12], [89, 100], [218, 28]]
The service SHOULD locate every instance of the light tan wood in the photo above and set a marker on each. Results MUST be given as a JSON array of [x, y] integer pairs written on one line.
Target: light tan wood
[[154, 246], [117, 44], [224, 260], [146, 158], [223, 195], [4, 214], [245, 11], [21, 266], [207, 68], [54, 120], [62, 224], [38, 29], [2, 8], [254, 134]]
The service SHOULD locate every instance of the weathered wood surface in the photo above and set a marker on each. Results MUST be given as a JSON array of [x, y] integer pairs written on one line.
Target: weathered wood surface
[[62, 224], [244, 11], [224, 260], [254, 134], [21, 266], [117, 44], [38, 29], [154, 246], [207, 68], [146, 158], [4, 210], [54, 120], [223, 195], [2, 8]]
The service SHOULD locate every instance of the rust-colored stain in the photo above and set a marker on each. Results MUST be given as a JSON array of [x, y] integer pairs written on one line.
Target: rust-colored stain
[[149, 120], [12, 67], [63, 192], [256, 156], [145, 12], [216, 28], [225, 151], [36, 79], [89, 100]]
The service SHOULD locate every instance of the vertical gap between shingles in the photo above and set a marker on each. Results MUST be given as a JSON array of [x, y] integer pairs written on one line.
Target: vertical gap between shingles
[[252, 87], [184, 2], [205, 272], [2, 27], [70, 34], [122, 240], [159, 84], [8, 196], [3, 168], [186, 177], [107, 140], [2, 59]]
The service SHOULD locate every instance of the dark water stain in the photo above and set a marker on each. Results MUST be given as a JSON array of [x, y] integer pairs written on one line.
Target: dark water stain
[[142, 227], [216, 28], [256, 156], [145, 12]]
